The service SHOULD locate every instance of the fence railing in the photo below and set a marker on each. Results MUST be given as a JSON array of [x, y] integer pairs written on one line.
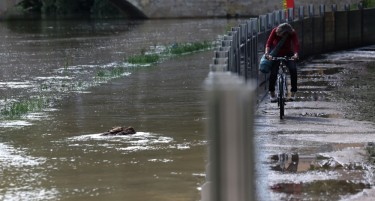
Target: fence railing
[[231, 94], [240, 49]]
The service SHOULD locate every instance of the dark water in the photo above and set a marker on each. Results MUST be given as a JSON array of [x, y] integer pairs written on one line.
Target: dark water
[[56, 153]]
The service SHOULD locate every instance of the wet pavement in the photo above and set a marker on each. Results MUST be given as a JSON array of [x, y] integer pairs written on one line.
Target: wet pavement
[[317, 152]]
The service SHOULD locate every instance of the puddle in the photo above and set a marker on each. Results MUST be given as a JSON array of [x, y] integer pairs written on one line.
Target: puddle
[[324, 176], [327, 190]]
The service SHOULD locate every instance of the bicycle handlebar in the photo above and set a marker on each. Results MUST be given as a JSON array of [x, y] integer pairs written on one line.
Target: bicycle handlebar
[[282, 58]]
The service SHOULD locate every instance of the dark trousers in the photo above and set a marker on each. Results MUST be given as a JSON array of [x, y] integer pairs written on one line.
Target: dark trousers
[[293, 75]]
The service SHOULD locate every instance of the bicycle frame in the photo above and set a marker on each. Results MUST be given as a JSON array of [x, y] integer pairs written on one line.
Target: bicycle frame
[[282, 87]]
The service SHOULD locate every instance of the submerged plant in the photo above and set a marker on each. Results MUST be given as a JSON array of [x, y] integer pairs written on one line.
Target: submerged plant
[[113, 73], [156, 54], [15, 110], [144, 59], [188, 47]]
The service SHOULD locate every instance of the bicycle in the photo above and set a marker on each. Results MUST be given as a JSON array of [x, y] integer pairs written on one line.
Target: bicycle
[[282, 87]]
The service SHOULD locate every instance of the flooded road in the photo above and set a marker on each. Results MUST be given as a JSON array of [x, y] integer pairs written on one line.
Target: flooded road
[[318, 151], [56, 153]]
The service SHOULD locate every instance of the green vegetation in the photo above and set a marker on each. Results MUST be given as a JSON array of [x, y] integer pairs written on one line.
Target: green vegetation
[[188, 47], [144, 59], [365, 3], [368, 3], [174, 50], [14, 110], [115, 72]]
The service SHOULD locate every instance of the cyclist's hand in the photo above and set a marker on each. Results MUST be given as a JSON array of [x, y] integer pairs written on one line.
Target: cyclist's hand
[[269, 57], [295, 56]]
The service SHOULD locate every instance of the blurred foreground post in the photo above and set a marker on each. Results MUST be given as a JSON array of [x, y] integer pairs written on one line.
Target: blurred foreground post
[[230, 110]]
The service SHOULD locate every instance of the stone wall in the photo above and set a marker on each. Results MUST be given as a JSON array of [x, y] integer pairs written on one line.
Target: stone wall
[[224, 8], [205, 8]]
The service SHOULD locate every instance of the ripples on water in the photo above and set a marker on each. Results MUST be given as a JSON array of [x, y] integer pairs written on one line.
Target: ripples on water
[[56, 153], [19, 180]]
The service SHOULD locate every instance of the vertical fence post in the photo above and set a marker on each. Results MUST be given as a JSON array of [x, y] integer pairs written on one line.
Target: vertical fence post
[[226, 44], [301, 13], [322, 10], [262, 23], [347, 10], [312, 17], [254, 49], [311, 10], [346, 7], [283, 16], [243, 46], [230, 109], [360, 7], [236, 42], [334, 10], [249, 41], [277, 17], [290, 14]]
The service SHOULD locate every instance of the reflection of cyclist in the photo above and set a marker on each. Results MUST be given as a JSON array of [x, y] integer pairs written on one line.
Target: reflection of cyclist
[[290, 48]]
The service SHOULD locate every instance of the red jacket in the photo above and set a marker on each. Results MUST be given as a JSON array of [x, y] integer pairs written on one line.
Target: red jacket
[[291, 44]]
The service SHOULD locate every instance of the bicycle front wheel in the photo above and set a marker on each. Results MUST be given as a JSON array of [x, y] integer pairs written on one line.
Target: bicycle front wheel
[[281, 98]]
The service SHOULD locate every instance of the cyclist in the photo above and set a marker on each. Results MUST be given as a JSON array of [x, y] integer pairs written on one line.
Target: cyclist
[[290, 48]]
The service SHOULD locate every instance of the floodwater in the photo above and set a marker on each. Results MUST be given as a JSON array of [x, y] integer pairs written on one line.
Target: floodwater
[[56, 153]]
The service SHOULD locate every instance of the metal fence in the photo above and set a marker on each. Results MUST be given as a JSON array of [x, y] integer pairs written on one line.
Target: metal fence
[[235, 85], [240, 49]]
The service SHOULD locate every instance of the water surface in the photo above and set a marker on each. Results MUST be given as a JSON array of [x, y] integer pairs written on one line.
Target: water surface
[[56, 153]]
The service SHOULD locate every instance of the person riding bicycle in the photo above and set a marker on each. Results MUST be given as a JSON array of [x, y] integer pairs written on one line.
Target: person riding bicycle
[[290, 48]]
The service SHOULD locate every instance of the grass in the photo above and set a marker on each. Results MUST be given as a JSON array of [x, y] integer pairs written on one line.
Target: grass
[[144, 59], [368, 3], [176, 49], [115, 72], [15, 110]]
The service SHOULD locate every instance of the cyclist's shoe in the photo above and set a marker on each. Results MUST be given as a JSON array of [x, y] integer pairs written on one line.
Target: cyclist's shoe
[[273, 97], [292, 96]]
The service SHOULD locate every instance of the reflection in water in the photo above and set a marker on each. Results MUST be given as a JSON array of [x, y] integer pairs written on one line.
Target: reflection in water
[[320, 190], [298, 187], [283, 160]]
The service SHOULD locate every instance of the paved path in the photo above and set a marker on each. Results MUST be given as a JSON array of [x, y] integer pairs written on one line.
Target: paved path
[[315, 124]]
